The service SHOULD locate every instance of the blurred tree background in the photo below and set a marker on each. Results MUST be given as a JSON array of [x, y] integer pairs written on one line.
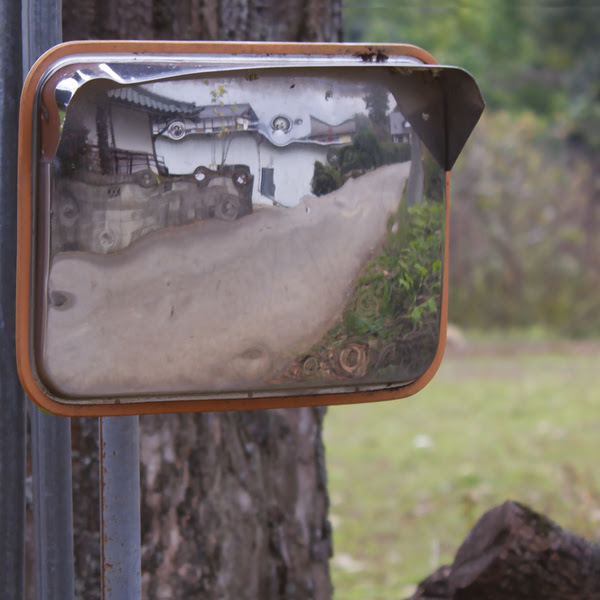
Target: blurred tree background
[[525, 216]]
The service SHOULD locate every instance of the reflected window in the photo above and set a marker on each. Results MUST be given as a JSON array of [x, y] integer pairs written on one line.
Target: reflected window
[[267, 183], [281, 123]]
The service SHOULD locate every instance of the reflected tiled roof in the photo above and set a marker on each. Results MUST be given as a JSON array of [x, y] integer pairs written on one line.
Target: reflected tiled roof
[[243, 110], [148, 100]]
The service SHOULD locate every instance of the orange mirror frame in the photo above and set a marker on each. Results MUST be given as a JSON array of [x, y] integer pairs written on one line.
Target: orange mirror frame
[[227, 226]]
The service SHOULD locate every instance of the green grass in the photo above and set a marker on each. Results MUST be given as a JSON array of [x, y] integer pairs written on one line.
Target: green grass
[[408, 479]]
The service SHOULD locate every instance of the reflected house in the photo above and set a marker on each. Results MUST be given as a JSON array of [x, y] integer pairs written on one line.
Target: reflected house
[[149, 161], [216, 119], [332, 134], [399, 127], [125, 143], [279, 150]]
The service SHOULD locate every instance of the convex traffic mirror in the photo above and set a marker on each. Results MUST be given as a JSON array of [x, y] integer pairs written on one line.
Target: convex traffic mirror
[[234, 226]]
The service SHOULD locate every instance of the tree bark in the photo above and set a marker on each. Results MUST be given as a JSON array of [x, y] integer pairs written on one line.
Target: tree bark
[[234, 505], [514, 553], [274, 20], [246, 511]]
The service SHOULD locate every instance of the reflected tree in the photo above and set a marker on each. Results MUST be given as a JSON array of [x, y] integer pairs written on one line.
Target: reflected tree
[[377, 104]]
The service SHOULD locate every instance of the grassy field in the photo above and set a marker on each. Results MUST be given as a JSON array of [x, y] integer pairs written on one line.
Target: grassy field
[[502, 420]]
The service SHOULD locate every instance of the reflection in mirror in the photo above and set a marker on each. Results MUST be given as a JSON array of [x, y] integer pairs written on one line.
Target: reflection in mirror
[[260, 232]]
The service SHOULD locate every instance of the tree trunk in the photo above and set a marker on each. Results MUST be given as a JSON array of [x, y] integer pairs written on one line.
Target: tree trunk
[[234, 505], [285, 20], [513, 553]]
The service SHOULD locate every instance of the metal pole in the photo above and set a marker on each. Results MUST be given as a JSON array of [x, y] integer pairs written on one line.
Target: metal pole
[[120, 508], [52, 506], [12, 402], [50, 436], [42, 28]]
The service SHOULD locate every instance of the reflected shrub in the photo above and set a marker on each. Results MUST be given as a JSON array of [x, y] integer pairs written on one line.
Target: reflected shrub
[[326, 179], [366, 152], [390, 326]]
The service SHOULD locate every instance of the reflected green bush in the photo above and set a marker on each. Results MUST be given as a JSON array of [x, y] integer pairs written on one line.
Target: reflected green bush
[[366, 152], [399, 290], [326, 179], [391, 322]]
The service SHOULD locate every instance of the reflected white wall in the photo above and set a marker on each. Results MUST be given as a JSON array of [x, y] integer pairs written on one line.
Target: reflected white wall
[[293, 165]]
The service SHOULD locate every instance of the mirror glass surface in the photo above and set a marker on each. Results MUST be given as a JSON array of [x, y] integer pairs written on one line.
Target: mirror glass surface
[[268, 233]]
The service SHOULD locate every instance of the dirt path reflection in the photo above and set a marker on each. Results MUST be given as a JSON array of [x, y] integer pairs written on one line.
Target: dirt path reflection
[[214, 305]]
